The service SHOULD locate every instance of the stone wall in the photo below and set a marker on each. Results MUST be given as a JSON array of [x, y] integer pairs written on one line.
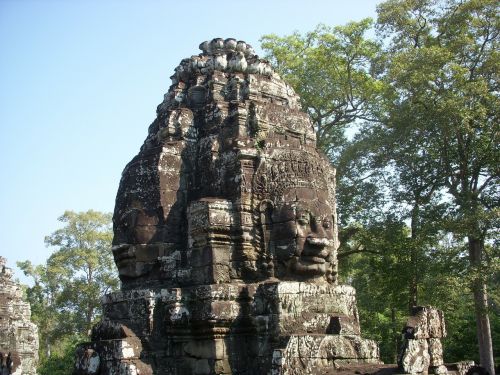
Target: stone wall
[[225, 235]]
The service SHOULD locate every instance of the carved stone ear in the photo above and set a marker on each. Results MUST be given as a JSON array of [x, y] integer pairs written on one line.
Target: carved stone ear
[[266, 212], [266, 224]]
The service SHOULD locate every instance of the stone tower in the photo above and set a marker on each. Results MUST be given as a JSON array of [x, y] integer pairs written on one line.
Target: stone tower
[[18, 335], [225, 235]]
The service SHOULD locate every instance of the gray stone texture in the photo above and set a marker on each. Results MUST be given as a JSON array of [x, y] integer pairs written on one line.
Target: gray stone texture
[[422, 351], [225, 236], [18, 335]]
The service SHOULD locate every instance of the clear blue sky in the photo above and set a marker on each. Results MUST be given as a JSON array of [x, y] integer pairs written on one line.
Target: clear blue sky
[[79, 86]]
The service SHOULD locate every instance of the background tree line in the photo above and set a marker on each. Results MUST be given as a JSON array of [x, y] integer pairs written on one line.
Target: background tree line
[[407, 109], [66, 292]]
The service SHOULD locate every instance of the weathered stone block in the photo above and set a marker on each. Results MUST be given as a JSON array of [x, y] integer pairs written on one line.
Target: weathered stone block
[[222, 366], [426, 322], [435, 352], [87, 362], [438, 370], [208, 349], [461, 368], [415, 358], [316, 354], [343, 325], [202, 367]]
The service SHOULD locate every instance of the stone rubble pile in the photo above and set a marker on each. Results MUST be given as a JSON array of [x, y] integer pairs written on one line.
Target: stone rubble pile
[[18, 335]]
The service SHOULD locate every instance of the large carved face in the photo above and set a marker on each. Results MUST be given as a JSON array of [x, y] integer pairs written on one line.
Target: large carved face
[[132, 249], [302, 236]]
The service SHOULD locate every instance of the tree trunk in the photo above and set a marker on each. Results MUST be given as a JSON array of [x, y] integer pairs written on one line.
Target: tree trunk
[[413, 284], [88, 319], [481, 307], [47, 347], [395, 334]]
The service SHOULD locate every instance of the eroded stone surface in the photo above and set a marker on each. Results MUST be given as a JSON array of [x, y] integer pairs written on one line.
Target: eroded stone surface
[[225, 235], [426, 322], [422, 350], [415, 357], [18, 335], [307, 354], [461, 368], [229, 184]]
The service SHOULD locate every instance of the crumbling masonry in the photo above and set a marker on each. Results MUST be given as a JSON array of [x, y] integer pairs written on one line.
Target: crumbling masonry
[[18, 335]]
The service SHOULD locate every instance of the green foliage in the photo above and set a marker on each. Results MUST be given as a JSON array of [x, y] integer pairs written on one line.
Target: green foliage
[[378, 279], [418, 183], [442, 119], [66, 291], [330, 68], [62, 360]]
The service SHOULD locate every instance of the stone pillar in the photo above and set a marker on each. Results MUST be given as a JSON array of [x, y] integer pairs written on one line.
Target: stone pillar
[[18, 335], [422, 351]]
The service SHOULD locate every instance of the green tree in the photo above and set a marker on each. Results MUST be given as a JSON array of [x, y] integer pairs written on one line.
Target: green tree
[[387, 181], [62, 362], [378, 279], [66, 291], [426, 155], [442, 67], [331, 70]]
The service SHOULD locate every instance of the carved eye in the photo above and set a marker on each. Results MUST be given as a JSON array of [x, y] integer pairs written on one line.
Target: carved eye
[[304, 218], [327, 224]]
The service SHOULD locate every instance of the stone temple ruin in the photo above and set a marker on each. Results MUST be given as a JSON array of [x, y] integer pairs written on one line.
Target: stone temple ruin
[[225, 236], [18, 335]]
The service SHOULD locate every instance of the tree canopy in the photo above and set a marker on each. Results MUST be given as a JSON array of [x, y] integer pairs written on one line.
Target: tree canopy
[[66, 291], [419, 176], [330, 68]]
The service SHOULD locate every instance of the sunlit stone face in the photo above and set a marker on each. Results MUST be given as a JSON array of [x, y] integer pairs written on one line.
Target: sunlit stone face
[[303, 236], [133, 250]]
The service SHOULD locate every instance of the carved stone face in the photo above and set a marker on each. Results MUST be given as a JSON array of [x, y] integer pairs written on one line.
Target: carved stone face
[[302, 235], [132, 249]]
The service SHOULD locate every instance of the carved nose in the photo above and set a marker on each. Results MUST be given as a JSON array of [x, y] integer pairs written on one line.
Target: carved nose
[[317, 230], [317, 246]]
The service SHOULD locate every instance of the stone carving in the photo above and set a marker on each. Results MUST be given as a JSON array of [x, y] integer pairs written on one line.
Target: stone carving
[[226, 235], [226, 133], [422, 350], [296, 216], [18, 335]]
